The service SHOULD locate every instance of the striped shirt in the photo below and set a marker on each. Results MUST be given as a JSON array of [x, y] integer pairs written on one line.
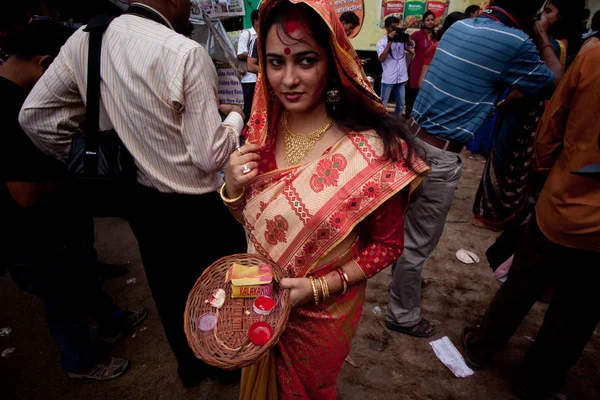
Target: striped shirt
[[474, 63], [158, 91]]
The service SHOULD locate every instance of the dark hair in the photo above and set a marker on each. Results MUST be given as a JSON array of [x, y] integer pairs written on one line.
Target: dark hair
[[449, 21], [38, 38], [471, 9], [596, 21], [390, 20], [427, 14], [347, 113], [522, 10], [254, 16], [585, 14], [569, 25], [350, 17]]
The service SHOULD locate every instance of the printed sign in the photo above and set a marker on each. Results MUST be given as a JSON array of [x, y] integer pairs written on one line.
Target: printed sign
[[413, 13], [438, 7], [230, 88], [392, 8], [217, 8], [356, 6]]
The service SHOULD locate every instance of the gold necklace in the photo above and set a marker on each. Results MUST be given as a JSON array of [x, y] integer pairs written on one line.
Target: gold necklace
[[296, 146]]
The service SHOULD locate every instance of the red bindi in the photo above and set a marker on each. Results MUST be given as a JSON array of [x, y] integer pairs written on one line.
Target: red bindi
[[287, 51]]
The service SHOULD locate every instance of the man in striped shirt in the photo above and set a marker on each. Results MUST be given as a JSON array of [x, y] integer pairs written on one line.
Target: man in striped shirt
[[159, 93], [476, 60]]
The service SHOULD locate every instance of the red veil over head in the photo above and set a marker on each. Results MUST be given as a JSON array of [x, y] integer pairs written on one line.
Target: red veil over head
[[354, 85]]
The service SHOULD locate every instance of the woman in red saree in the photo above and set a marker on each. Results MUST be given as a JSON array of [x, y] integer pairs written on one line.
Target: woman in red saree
[[321, 187]]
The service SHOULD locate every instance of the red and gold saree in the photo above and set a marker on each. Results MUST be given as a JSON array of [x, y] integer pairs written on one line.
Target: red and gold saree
[[297, 215]]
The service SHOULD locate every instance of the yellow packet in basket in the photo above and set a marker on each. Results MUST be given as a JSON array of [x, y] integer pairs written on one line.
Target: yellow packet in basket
[[240, 275], [250, 282]]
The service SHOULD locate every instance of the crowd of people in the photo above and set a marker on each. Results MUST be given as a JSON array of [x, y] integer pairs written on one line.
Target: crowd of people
[[325, 182]]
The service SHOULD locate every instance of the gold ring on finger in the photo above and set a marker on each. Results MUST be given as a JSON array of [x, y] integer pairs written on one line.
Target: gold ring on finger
[[239, 151]]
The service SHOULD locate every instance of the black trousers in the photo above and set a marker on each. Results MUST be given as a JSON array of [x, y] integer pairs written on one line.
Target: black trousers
[[179, 236], [248, 89], [411, 97], [570, 320]]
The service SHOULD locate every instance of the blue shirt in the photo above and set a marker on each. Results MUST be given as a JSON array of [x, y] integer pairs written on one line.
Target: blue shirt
[[476, 60], [394, 65]]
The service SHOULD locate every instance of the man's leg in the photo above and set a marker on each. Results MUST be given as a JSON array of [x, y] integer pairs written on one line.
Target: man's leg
[[533, 269], [386, 90], [423, 227], [399, 93], [65, 288], [411, 97], [178, 242], [568, 324]]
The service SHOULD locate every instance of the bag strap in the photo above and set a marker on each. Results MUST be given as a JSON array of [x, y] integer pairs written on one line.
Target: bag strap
[[96, 28]]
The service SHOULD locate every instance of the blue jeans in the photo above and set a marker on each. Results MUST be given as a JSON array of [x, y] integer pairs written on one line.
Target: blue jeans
[[399, 90], [70, 290]]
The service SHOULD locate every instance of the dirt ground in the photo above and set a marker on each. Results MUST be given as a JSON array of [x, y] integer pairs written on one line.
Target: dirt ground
[[406, 369]]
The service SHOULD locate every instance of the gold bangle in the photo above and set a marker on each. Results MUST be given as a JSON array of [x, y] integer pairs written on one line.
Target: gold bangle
[[315, 290], [324, 288], [227, 200]]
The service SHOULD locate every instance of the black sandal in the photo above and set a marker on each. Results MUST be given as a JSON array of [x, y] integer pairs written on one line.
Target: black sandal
[[417, 330], [465, 345]]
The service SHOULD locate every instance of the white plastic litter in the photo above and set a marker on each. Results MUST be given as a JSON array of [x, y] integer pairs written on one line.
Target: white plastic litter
[[8, 352], [450, 357], [131, 281], [5, 331], [467, 257], [377, 311]]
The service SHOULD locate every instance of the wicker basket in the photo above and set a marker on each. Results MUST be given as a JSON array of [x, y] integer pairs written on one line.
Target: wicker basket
[[227, 345]]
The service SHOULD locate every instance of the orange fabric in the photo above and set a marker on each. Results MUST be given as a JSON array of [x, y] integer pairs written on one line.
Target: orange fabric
[[568, 209]]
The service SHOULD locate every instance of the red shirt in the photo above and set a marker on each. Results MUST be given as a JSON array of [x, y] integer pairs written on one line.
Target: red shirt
[[429, 54], [422, 44]]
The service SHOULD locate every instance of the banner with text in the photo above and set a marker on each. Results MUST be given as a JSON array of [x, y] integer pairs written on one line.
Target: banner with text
[[356, 6], [230, 89], [392, 8], [438, 7], [413, 13], [217, 8]]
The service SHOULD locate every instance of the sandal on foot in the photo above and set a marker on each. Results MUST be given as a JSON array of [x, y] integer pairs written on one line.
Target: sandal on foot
[[417, 330], [475, 366], [103, 371], [131, 319]]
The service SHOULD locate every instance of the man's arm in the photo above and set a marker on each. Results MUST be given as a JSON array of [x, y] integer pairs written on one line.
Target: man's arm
[[253, 65], [54, 108], [549, 138], [384, 49], [209, 141], [527, 73], [242, 50]]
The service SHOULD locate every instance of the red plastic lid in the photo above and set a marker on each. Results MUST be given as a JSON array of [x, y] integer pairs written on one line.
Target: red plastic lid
[[264, 303], [260, 333]]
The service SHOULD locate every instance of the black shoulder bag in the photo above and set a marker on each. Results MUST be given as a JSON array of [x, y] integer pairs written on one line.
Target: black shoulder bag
[[101, 168]]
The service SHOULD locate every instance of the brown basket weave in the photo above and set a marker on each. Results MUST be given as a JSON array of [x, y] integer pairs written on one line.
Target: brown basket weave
[[217, 347]]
